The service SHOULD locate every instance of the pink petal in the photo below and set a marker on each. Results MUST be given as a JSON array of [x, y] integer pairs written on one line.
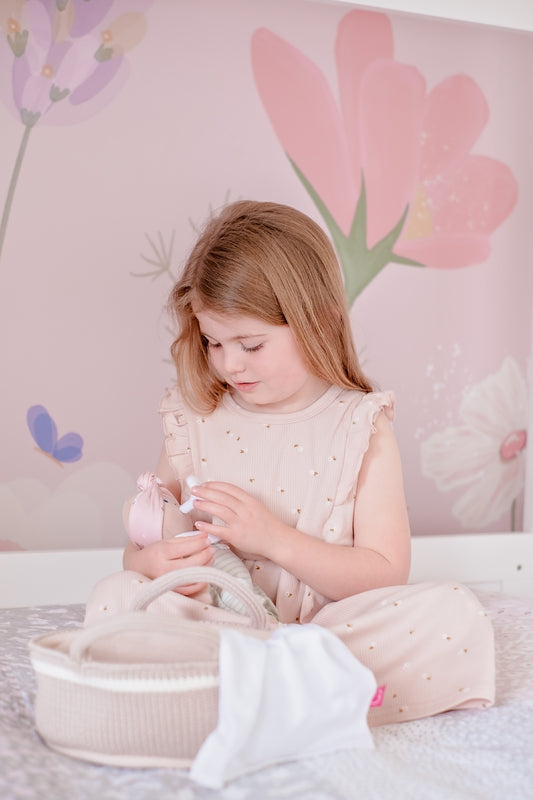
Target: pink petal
[[392, 104], [362, 37], [305, 117], [455, 114], [445, 252], [475, 199]]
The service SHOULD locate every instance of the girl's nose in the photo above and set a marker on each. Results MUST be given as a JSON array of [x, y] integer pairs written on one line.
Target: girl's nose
[[233, 362]]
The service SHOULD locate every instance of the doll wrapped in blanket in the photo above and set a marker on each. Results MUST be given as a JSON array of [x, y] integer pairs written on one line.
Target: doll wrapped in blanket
[[154, 513]]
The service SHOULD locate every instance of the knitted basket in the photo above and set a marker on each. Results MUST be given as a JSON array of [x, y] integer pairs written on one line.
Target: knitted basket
[[138, 690]]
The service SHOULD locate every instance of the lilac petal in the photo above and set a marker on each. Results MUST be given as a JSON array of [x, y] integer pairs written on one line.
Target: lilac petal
[[100, 78], [88, 15], [42, 428], [20, 76], [39, 16]]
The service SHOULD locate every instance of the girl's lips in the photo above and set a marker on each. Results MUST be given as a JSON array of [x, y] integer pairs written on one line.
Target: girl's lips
[[245, 387]]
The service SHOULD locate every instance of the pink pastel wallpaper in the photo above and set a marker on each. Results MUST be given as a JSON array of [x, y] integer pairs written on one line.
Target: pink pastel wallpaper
[[126, 122]]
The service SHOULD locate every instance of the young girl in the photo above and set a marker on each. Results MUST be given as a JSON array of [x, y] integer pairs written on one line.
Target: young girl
[[298, 464]]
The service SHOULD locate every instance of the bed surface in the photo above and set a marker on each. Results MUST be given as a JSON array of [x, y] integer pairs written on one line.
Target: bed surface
[[460, 755]]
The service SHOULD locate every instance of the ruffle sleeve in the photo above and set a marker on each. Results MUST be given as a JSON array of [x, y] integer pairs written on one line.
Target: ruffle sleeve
[[176, 430]]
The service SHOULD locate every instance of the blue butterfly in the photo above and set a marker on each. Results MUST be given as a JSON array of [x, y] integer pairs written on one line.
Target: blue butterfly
[[44, 431]]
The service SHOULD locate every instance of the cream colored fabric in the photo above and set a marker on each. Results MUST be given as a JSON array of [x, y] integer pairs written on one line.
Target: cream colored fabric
[[431, 645], [303, 466]]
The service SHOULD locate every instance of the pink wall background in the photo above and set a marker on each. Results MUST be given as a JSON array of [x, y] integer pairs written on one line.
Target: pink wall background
[[186, 132]]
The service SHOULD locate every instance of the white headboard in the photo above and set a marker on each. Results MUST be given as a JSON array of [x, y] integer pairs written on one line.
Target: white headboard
[[494, 561]]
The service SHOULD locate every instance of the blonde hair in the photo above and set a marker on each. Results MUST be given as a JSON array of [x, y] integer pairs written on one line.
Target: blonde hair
[[271, 262]]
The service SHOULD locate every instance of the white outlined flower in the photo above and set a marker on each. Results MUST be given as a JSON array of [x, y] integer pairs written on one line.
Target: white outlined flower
[[487, 452]]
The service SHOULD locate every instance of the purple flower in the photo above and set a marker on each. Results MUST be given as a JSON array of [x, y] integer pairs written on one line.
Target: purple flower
[[66, 61]]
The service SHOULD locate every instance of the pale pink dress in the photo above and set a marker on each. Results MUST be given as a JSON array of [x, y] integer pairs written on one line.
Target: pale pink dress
[[430, 644]]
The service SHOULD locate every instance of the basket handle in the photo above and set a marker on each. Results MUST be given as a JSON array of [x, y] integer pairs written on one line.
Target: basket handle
[[259, 617], [138, 622]]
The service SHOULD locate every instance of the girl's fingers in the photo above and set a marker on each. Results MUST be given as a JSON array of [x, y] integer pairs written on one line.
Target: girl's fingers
[[210, 488], [187, 546]]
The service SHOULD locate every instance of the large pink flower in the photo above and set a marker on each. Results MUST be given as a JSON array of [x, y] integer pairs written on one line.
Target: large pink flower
[[486, 453], [390, 166]]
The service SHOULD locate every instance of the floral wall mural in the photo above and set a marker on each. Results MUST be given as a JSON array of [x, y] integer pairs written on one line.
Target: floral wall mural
[[390, 170], [126, 122]]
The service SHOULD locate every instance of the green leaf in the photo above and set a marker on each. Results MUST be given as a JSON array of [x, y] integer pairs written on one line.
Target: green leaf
[[359, 264]]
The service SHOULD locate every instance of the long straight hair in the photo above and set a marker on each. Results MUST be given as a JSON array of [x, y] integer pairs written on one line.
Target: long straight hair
[[274, 263]]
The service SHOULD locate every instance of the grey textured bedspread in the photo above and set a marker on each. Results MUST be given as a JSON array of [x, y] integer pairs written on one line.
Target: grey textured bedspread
[[461, 755]]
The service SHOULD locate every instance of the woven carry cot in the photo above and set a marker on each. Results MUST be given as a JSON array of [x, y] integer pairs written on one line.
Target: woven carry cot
[[140, 689]]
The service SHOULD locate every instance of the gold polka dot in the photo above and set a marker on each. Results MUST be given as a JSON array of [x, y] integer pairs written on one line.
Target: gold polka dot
[[289, 594], [252, 480], [203, 459], [104, 608], [411, 633], [206, 608], [349, 625], [314, 472], [257, 566]]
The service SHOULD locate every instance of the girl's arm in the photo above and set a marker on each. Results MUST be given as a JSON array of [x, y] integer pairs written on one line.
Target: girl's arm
[[169, 554], [381, 555]]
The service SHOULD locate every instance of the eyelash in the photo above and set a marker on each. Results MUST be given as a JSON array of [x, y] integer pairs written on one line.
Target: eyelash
[[215, 345]]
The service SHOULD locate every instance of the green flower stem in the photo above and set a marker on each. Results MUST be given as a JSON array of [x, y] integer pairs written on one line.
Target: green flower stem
[[359, 264], [13, 184], [513, 516]]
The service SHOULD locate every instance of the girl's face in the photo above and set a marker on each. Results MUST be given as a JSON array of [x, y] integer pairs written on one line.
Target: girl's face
[[260, 362]]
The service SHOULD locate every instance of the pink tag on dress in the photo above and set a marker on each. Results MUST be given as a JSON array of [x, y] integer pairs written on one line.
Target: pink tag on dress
[[377, 700]]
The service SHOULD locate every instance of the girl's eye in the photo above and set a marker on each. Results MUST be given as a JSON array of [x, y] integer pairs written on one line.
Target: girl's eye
[[209, 344], [252, 349]]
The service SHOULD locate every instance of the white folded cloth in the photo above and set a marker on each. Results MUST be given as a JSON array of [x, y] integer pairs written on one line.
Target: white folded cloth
[[299, 694]]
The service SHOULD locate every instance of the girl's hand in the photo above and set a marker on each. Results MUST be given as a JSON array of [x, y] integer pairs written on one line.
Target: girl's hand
[[167, 555], [249, 527]]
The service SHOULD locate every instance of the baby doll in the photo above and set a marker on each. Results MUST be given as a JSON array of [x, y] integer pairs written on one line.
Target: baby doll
[[154, 514]]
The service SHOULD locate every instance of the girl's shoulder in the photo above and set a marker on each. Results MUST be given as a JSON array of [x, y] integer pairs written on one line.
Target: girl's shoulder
[[370, 404], [171, 400]]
